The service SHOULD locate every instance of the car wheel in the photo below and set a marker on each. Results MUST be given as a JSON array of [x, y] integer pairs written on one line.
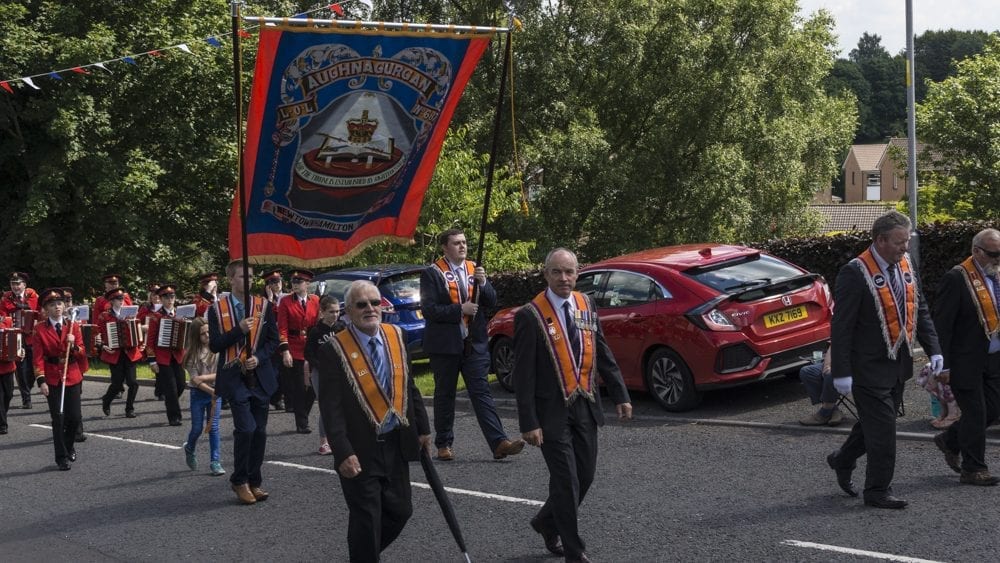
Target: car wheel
[[669, 380], [503, 362]]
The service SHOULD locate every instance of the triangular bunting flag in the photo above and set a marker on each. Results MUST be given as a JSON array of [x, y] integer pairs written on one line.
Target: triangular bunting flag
[[130, 61], [155, 54], [30, 83], [337, 9], [102, 67], [54, 75], [184, 47], [6, 87], [79, 70], [245, 34], [213, 42]]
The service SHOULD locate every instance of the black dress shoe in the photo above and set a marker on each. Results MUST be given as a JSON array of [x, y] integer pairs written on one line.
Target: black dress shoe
[[64, 465], [175, 422], [887, 501], [26, 405], [80, 438], [843, 476], [106, 406], [305, 430], [3, 429], [72, 456], [550, 537], [129, 414], [950, 457]]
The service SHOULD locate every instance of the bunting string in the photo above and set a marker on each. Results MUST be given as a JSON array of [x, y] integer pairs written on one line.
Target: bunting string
[[336, 11]]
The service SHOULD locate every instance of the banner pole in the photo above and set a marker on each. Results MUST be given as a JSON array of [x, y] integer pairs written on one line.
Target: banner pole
[[238, 92], [497, 118]]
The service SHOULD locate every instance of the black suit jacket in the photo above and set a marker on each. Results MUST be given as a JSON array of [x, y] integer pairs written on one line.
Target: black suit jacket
[[348, 429], [963, 341], [858, 347], [442, 334], [228, 380], [540, 402]]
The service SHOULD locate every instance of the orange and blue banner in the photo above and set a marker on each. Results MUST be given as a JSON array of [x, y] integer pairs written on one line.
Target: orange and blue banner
[[343, 133]]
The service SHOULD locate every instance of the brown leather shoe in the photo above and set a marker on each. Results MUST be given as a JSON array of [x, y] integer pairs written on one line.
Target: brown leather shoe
[[244, 494], [950, 457], [259, 494], [550, 537], [981, 478], [815, 419], [445, 454], [506, 448]]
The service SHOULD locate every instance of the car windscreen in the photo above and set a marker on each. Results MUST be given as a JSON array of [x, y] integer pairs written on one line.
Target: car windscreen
[[334, 287], [756, 270], [403, 288]]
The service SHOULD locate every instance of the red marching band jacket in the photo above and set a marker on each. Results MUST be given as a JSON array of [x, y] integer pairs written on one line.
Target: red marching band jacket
[[134, 354], [7, 367], [162, 355], [294, 323], [101, 304], [9, 303], [50, 353]]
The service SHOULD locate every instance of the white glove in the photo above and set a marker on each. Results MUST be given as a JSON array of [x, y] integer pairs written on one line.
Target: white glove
[[843, 384], [937, 364]]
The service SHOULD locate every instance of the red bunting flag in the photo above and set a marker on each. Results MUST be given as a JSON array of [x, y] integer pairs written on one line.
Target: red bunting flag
[[337, 9], [79, 70], [6, 87], [155, 54], [245, 34]]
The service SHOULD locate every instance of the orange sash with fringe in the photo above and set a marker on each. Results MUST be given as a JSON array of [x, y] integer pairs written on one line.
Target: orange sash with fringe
[[226, 312], [986, 306], [893, 331], [357, 365], [574, 379]]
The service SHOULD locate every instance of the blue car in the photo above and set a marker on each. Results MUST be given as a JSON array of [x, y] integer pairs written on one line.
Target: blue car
[[400, 288]]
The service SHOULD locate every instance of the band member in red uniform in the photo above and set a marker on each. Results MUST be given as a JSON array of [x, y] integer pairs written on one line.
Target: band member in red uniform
[[297, 313], [111, 281], [52, 340], [152, 303], [166, 363], [21, 298], [206, 294], [273, 284], [7, 370], [67, 308], [121, 359]]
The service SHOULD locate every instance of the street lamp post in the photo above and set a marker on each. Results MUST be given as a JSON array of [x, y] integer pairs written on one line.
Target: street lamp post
[[911, 135]]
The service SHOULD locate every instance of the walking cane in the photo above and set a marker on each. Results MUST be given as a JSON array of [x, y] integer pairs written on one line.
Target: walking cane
[[62, 394]]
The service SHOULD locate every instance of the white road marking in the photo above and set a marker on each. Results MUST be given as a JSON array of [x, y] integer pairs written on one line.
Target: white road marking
[[129, 440], [420, 485], [860, 552]]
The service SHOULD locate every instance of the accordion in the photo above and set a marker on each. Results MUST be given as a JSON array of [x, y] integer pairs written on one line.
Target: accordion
[[90, 335], [124, 334], [24, 319], [10, 344], [172, 333]]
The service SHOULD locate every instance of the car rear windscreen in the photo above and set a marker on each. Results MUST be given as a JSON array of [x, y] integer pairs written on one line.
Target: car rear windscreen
[[745, 272]]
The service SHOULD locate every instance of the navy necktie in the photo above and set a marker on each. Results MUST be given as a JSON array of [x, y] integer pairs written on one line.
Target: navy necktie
[[571, 331], [239, 312], [59, 329]]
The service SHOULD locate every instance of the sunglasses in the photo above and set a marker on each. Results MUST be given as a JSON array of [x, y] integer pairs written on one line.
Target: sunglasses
[[991, 253], [375, 303]]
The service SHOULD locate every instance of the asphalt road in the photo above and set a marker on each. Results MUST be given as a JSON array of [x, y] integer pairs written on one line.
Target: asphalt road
[[737, 480]]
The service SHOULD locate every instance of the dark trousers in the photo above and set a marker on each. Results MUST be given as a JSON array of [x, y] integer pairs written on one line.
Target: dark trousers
[[378, 501], [297, 395], [873, 434], [170, 379], [64, 426], [123, 373], [572, 460], [25, 375], [6, 394], [249, 408], [980, 406], [473, 367]]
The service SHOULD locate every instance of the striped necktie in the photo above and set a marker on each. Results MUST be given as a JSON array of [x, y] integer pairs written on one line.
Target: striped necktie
[[376, 357], [898, 292]]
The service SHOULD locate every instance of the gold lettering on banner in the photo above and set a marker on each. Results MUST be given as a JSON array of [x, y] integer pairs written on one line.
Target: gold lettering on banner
[[297, 110], [364, 68]]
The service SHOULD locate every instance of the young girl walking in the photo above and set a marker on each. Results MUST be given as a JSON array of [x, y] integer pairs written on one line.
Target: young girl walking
[[200, 364]]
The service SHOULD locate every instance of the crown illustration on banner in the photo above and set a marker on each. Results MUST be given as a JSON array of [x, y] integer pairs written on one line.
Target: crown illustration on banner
[[361, 131]]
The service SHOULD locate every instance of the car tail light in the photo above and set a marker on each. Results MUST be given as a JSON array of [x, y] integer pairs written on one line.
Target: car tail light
[[714, 320], [387, 306]]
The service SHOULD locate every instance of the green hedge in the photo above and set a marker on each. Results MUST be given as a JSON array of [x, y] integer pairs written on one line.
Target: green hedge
[[941, 245]]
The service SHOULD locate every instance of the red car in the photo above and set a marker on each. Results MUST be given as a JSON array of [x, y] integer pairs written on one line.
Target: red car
[[681, 320]]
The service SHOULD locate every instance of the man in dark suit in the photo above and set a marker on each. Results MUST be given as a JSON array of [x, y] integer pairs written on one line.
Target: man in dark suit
[[375, 425], [968, 319], [559, 352], [880, 309], [244, 332], [455, 340]]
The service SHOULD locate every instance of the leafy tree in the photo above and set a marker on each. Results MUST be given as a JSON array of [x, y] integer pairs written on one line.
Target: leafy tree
[[959, 118]]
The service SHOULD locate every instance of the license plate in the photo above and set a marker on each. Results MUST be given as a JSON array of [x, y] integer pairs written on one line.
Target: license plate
[[785, 316]]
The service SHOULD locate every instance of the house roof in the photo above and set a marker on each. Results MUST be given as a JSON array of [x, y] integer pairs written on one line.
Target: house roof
[[847, 217], [868, 156]]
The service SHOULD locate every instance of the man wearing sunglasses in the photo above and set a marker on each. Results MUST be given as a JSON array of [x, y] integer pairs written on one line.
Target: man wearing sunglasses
[[968, 323], [455, 340], [375, 421]]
